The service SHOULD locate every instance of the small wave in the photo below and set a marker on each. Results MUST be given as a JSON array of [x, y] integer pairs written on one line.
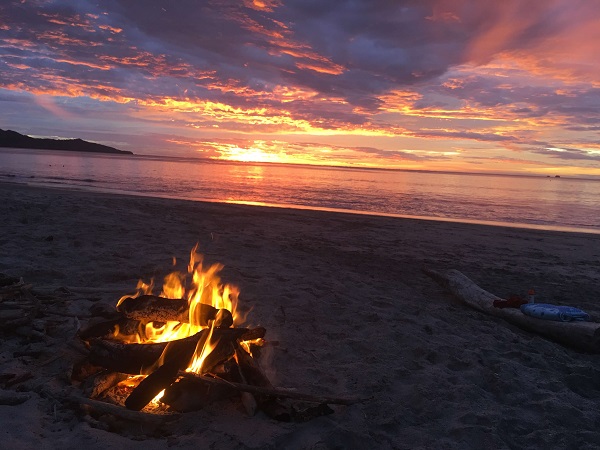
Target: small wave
[[70, 180]]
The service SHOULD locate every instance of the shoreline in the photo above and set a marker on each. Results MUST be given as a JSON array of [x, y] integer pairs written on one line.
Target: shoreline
[[344, 296], [526, 226]]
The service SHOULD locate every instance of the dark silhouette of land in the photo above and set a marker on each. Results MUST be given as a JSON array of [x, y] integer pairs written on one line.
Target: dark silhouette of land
[[13, 139]]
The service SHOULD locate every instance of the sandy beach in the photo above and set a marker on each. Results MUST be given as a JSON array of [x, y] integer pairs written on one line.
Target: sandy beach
[[346, 299]]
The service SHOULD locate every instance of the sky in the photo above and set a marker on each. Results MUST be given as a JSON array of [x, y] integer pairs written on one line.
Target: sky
[[509, 86]]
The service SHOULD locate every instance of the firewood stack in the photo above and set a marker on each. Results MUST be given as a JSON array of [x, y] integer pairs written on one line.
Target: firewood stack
[[229, 370]]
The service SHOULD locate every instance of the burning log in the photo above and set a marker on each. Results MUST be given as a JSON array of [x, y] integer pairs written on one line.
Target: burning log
[[223, 351], [109, 327], [187, 395], [151, 308], [177, 357], [136, 358], [121, 357]]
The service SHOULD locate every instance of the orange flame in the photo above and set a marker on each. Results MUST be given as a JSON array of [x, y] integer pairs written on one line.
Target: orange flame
[[200, 286]]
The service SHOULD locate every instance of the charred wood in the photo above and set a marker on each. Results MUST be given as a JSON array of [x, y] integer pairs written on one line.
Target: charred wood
[[223, 351], [136, 358], [97, 384], [253, 374], [151, 308], [120, 412], [84, 369], [250, 369], [177, 357], [160, 309], [125, 358], [186, 395], [109, 327]]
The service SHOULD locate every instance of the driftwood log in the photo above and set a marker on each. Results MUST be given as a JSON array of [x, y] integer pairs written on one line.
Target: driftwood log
[[579, 335]]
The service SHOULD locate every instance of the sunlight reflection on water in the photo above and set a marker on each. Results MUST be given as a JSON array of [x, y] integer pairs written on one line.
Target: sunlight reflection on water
[[538, 202]]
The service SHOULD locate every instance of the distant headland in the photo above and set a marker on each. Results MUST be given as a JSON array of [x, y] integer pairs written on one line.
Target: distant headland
[[13, 139]]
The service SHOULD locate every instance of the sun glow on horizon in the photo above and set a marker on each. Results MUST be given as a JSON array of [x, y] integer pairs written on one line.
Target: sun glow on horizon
[[251, 154]]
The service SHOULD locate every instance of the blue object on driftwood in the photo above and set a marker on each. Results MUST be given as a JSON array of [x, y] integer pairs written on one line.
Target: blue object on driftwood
[[554, 312]]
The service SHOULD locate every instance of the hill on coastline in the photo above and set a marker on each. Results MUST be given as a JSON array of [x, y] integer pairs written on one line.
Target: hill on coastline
[[13, 139]]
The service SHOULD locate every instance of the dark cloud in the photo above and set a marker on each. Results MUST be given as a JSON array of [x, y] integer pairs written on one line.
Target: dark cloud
[[352, 50]]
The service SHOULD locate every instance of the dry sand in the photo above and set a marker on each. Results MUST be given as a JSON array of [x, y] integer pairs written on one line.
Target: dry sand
[[354, 315]]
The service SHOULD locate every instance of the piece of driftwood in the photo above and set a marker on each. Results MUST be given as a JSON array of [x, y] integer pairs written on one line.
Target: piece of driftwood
[[11, 286], [135, 359], [122, 413], [16, 314], [70, 396], [11, 398], [577, 334], [8, 380], [273, 391], [152, 308]]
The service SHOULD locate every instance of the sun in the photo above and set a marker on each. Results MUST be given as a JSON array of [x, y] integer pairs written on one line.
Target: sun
[[251, 154]]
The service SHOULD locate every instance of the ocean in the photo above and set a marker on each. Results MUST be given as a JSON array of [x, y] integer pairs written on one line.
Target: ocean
[[565, 204]]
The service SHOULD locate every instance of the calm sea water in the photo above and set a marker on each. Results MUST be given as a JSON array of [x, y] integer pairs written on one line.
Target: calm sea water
[[540, 202]]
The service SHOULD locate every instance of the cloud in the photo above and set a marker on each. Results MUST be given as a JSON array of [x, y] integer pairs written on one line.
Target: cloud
[[513, 72], [349, 50], [568, 154]]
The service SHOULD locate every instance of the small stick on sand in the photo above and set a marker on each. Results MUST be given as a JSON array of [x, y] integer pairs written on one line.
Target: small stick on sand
[[275, 392]]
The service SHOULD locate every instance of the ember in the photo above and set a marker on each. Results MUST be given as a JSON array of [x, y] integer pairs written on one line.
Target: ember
[[186, 348]]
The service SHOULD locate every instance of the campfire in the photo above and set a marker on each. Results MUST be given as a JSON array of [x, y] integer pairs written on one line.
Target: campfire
[[184, 349]]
